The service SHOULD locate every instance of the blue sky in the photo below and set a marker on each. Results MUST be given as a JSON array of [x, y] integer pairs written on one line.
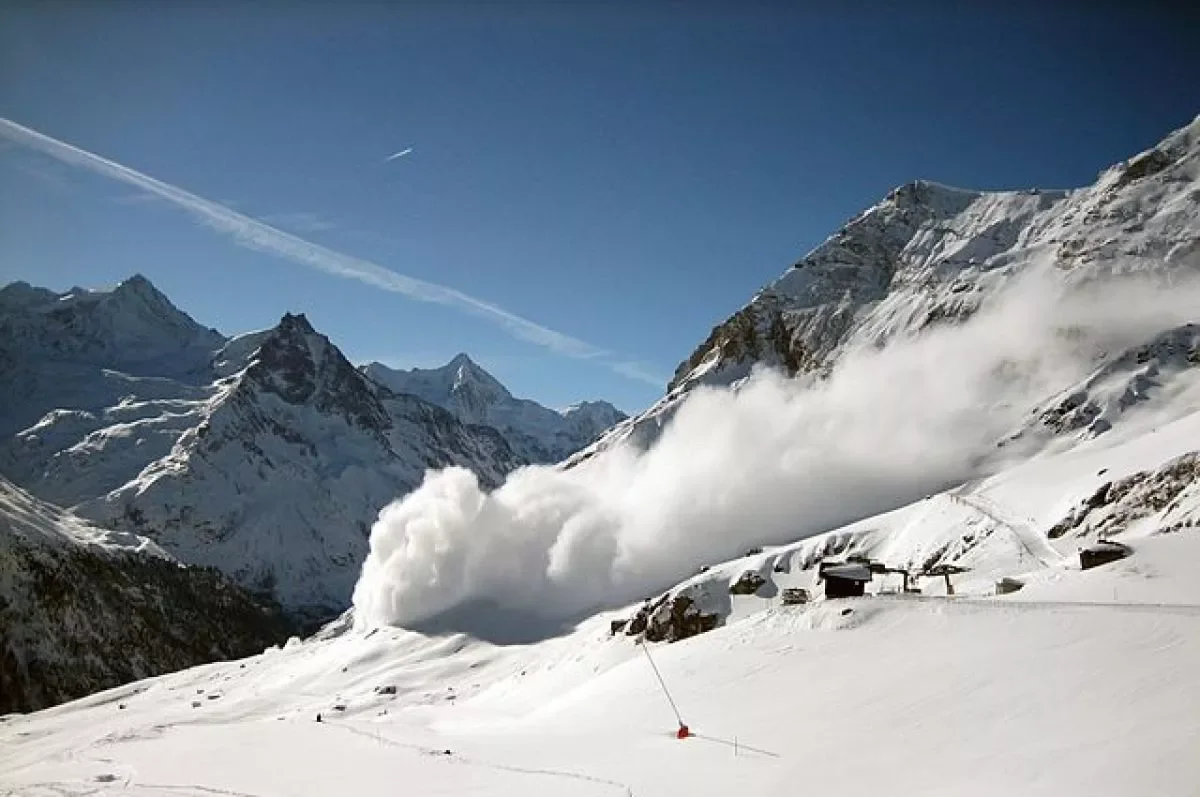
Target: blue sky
[[625, 175]]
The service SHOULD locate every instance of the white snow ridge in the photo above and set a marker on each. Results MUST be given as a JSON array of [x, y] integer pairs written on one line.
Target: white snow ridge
[[964, 396]]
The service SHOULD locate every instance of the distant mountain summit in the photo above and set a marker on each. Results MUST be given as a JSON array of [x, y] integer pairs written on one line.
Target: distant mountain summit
[[84, 349], [461, 386], [535, 432], [132, 325]]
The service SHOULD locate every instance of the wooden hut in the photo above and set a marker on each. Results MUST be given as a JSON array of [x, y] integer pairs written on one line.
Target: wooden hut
[[1103, 552], [844, 579], [1007, 585]]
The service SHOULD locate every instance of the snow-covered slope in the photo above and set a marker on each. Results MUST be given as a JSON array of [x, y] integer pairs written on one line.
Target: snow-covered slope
[[1081, 682], [84, 608], [1164, 372], [536, 433], [930, 255]]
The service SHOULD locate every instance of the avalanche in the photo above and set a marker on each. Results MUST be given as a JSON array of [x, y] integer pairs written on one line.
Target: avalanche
[[776, 460]]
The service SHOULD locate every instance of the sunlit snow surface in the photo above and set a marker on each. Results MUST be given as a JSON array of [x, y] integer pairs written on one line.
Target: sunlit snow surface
[[1083, 682]]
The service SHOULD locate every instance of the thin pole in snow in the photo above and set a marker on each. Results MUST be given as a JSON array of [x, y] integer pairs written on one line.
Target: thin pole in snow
[[662, 683], [739, 746]]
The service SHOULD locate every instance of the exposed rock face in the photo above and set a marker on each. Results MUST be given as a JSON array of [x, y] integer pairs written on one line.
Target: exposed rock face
[[1160, 497], [1121, 384], [679, 618], [747, 583], [303, 368], [671, 617], [84, 610]]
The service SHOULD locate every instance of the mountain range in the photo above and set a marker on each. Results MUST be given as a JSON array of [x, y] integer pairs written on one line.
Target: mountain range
[[262, 457]]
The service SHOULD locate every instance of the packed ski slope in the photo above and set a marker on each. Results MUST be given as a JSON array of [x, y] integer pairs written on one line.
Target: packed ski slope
[[1083, 682]]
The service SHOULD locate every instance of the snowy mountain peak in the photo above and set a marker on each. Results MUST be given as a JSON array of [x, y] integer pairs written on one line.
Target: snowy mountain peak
[[129, 325], [302, 366], [142, 289], [467, 375], [474, 396]]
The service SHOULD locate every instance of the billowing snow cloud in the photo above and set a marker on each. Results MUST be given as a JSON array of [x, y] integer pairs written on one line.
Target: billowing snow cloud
[[772, 462]]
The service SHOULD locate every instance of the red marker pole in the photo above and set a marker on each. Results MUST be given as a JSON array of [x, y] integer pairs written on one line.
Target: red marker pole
[[683, 732]]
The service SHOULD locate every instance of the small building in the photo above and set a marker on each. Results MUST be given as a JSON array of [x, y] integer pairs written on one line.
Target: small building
[[1103, 552], [1007, 585], [844, 579]]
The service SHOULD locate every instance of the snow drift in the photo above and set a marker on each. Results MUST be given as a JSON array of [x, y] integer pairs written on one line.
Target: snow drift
[[770, 461]]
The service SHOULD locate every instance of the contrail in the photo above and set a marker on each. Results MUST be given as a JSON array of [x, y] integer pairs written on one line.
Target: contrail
[[395, 155], [254, 234]]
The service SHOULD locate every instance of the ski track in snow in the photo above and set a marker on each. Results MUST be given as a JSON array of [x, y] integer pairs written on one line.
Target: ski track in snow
[[1031, 540], [456, 758]]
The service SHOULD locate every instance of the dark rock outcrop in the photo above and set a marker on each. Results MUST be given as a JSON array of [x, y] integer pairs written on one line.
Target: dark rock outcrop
[[747, 583], [1115, 505], [670, 618]]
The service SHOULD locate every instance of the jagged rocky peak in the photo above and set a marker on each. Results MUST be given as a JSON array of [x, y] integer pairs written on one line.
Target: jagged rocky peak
[[466, 376], [22, 294], [461, 386], [142, 289], [302, 366]]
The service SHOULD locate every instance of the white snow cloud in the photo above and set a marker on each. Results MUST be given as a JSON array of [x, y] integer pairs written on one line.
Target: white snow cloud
[[772, 462], [255, 234]]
